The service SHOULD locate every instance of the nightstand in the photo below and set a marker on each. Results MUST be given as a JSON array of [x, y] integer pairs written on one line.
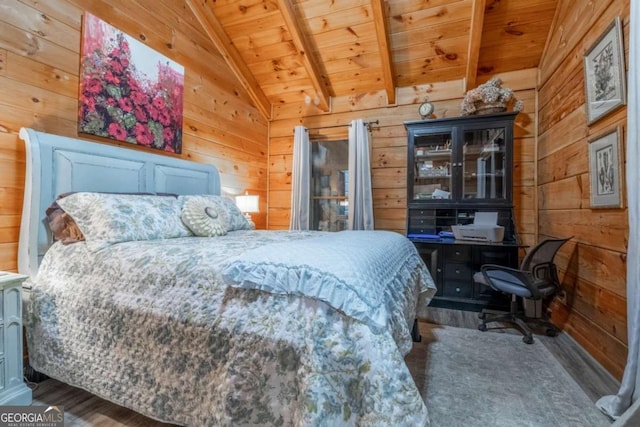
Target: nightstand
[[13, 390]]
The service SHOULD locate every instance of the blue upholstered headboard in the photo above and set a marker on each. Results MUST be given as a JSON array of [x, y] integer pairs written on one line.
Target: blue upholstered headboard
[[57, 164]]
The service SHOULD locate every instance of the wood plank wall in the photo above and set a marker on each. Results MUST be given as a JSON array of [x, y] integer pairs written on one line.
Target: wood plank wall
[[389, 146], [39, 65], [593, 309]]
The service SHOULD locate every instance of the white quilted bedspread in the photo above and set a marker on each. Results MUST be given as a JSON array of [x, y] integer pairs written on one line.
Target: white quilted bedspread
[[151, 325]]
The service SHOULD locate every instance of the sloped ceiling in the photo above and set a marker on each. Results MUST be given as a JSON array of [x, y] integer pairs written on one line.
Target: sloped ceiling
[[286, 51]]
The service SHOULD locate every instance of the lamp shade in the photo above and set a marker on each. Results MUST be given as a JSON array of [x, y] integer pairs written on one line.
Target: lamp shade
[[247, 203]]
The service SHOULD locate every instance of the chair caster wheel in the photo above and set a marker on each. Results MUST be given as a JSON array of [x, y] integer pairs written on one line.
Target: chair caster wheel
[[551, 332], [482, 316], [482, 327], [527, 339]]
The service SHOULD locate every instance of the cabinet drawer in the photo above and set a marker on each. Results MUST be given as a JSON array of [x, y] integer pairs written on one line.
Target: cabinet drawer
[[495, 256], [457, 271], [422, 213], [458, 289], [422, 230], [458, 253], [421, 222]]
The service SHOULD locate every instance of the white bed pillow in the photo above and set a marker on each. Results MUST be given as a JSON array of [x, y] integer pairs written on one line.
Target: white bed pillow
[[204, 217], [106, 218], [235, 218]]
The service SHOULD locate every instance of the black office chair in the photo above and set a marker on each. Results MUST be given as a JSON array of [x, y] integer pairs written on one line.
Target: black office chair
[[537, 280]]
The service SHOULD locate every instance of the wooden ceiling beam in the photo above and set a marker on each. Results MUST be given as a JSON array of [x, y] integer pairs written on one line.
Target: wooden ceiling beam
[[475, 41], [380, 8], [230, 53], [304, 51]]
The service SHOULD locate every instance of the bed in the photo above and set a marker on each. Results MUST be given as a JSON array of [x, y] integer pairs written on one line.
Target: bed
[[246, 328]]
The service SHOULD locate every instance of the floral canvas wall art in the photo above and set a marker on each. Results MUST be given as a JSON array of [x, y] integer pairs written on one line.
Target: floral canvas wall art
[[128, 91]]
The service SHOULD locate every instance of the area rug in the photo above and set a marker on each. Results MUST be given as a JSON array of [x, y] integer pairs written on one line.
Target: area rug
[[472, 378]]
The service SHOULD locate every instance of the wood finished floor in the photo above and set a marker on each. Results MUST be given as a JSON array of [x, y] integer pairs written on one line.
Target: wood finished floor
[[82, 409]]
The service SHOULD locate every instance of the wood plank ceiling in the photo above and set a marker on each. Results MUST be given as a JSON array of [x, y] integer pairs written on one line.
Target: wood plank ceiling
[[292, 51]]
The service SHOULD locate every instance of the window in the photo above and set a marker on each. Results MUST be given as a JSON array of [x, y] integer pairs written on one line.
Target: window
[[329, 185]]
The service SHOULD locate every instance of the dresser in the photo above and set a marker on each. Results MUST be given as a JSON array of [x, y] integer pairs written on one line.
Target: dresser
[[13, 390]]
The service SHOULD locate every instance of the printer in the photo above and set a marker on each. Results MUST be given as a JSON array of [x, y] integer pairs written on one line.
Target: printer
[[485, 228]]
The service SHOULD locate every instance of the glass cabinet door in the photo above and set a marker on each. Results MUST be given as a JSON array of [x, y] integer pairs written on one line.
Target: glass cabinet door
[[484, 163], [432, 163]]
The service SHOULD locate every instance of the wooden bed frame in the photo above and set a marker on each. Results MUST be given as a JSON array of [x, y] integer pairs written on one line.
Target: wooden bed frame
[[57, 164]]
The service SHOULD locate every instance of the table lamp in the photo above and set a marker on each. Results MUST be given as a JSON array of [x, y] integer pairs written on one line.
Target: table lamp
[[247, 204]]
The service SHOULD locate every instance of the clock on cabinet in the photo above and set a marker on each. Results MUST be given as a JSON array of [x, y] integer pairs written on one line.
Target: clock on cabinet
[[426, 109]]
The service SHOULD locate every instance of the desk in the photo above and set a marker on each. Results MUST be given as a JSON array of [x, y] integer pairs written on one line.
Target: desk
[[452, 264]]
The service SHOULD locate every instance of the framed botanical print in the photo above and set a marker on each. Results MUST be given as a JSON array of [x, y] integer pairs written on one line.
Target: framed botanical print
[[605, 170], [604, 73]]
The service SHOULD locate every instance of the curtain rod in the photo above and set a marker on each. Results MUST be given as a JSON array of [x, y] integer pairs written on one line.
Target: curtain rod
[[375, 122]]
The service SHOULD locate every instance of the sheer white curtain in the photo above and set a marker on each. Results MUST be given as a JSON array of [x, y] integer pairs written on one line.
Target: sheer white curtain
[[300, 180], [360, 197], [625, 406]]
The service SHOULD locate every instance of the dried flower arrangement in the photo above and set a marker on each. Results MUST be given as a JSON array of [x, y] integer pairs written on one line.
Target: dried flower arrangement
[[489, 98]]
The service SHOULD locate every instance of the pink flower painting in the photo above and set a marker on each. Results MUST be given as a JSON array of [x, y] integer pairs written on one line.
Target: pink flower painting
[[128, 91]]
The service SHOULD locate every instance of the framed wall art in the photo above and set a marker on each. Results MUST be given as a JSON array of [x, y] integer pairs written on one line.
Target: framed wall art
[[604, 73], [605, 170], [128, 91]]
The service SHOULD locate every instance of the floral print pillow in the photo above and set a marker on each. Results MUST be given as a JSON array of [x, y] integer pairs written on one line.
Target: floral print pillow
[[106, 218], [235, 218]]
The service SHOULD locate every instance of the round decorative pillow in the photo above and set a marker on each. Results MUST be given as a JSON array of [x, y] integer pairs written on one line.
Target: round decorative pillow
[[204, 218]]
